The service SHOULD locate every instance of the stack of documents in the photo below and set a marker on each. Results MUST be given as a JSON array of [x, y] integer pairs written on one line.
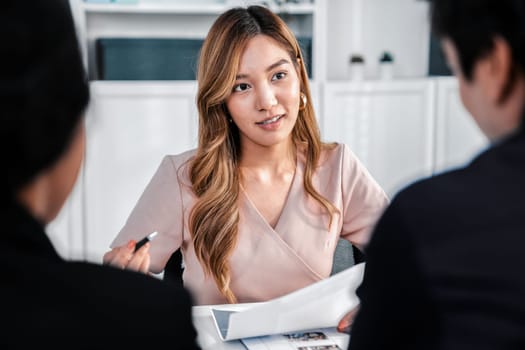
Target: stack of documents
[[319, 305]]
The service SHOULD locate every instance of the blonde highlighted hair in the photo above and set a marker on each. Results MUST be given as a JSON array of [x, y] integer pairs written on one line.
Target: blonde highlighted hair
[[214, 171]]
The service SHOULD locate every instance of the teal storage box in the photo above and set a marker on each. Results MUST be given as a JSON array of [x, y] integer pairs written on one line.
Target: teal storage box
[[305, 43], [158, 58], [147, 58]]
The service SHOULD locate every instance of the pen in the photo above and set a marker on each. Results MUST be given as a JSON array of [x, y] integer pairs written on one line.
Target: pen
[[145, 240]]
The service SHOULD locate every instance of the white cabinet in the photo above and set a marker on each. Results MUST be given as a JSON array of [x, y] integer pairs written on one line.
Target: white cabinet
[[389, 125], [130, 127], [402, 130]]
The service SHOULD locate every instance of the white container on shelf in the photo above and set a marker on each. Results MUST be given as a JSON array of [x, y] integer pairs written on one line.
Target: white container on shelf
[[386, 66], [356, 67], [386, 70], [357, 71]]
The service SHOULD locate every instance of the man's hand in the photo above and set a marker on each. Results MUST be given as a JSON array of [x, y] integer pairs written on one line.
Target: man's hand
[[345, 324]]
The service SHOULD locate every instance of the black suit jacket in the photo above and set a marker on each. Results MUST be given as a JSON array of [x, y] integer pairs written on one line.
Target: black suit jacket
[[52, 303], [446, 263]]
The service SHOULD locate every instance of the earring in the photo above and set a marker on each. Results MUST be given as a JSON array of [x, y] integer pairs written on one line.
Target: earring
[[304, 101]]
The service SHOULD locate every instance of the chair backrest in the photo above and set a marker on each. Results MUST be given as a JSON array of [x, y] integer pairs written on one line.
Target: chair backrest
[[346, 255], [174, 268]]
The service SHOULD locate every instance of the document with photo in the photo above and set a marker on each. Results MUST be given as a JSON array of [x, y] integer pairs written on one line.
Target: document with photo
[[320, 305], [315, 339]]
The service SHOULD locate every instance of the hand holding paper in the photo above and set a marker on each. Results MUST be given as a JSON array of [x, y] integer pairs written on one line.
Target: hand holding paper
[[345, 324], [322, 304]]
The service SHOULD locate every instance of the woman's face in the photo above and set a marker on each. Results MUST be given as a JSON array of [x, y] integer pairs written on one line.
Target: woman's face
[[264, 102]]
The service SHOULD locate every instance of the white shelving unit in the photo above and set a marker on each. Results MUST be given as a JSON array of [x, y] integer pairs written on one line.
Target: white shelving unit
[[174, 19], [186, 8]]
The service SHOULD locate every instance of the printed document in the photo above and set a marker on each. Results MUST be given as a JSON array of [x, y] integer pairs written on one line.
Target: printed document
[[320, 305], [315, 339]]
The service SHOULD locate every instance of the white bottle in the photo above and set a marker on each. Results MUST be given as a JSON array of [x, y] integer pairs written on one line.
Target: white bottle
[[356, 68], [386, 66]]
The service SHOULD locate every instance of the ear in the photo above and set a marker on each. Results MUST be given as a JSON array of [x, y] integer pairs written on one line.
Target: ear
[[298, 66], [493, 70], [298, 71]]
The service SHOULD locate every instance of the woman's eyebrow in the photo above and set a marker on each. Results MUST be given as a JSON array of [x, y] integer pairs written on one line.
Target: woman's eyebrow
[[270, 67], [277, 64]]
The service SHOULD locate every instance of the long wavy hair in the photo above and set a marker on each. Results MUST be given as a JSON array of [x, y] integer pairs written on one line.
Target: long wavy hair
[[214, 170]]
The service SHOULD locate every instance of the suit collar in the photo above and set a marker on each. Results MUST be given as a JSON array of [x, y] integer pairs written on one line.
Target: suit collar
[[22, 233]]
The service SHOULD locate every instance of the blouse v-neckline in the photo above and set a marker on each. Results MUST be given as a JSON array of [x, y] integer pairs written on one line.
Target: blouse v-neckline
[[253, 207]]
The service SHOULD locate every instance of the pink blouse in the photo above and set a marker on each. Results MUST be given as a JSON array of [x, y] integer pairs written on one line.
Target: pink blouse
[[267, 262]]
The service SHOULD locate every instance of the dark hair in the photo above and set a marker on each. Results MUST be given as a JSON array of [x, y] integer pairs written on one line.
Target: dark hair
[[472, 26], [43, 87]]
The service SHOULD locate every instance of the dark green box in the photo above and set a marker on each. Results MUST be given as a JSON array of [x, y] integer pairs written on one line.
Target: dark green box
[[158, 58], [305, 44], [147, 58], [437, 64]]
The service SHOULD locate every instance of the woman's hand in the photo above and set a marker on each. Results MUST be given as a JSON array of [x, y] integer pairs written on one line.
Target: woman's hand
[[345, 324], [124, 257]]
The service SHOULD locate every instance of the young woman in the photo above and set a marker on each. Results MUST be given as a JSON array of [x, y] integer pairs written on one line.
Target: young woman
[[257, 209]]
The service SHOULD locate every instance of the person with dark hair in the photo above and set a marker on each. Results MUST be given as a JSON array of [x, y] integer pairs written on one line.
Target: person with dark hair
[[46, 299], [444, 262]]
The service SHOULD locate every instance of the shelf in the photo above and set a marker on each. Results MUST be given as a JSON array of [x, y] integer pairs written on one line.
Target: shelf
[[153, 8], [183, 9], [142, 87], [179, 19]]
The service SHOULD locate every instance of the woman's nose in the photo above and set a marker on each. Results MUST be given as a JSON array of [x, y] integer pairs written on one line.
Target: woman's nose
[[266, 98]]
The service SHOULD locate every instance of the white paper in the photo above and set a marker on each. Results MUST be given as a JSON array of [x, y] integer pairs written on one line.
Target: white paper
[[319, 305], [320, 338]]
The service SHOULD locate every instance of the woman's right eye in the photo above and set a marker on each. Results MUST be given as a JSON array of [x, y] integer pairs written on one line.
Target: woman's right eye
[[240, 87]]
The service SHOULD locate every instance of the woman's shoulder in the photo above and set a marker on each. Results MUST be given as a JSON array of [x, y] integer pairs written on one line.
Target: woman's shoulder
[[180, 159], [179, 163], [332, 153], [338, 155]]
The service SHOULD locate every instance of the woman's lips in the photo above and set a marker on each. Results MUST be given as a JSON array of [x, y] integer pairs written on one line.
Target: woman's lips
[[270, 120]]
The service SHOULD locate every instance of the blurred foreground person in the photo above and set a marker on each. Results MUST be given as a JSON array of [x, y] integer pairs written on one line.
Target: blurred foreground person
[[43, 94], [443, 265]]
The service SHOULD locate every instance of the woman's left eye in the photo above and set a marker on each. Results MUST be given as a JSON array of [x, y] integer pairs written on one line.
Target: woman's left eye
[[279, 76]]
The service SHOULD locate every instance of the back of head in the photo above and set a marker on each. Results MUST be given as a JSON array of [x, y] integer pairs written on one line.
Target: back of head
[[43, 87], [472, 25]]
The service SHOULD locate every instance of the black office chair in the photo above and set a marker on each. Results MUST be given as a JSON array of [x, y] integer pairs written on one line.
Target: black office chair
[[359, 256], [173, 270]]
